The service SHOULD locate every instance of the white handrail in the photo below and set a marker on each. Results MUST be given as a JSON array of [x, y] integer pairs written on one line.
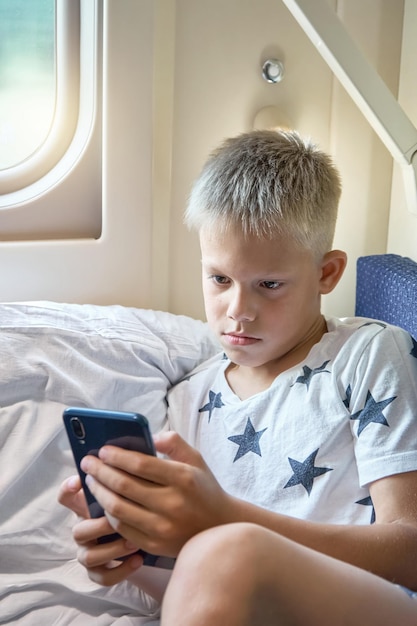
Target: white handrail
[[364, 85]]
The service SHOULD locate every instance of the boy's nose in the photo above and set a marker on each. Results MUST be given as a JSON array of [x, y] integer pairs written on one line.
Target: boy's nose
[[241, 307]]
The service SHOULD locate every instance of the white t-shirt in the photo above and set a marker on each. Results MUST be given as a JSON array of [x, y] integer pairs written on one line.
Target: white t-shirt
[[310, 444]]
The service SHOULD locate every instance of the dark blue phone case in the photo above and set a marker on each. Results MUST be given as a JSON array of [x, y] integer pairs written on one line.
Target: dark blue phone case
[[88, 430]]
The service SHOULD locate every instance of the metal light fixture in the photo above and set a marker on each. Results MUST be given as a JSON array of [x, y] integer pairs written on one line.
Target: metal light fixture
[[273, 71]]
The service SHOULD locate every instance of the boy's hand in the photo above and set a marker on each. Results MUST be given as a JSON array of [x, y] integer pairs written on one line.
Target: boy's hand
[[99, 559], [157, 503]]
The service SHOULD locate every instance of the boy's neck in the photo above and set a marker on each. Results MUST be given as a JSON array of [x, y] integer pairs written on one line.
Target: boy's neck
[[248, 381]]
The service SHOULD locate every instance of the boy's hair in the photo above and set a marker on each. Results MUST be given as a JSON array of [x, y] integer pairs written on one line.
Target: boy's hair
[[269, 182]]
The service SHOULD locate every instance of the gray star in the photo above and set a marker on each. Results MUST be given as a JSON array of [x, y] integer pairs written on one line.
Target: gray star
[[305, 472], [215, 402], [372, 412], [248, 442], [368, 502], [309, 373], [346, 402]]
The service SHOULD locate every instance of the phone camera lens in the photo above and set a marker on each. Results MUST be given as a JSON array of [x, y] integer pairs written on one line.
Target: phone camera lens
[[77, 428]]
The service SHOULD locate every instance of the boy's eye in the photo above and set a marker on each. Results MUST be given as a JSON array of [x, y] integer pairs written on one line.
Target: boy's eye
[[219, 280], [271, 284]]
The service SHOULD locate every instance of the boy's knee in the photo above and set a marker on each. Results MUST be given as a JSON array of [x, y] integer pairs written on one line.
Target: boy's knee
[[215, 578], [234, 545]]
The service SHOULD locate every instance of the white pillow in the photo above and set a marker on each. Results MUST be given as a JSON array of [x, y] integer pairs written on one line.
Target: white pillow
[[53, 355]]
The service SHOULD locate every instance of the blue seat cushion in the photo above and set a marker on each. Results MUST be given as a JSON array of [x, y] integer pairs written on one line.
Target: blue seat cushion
[[386, 289]]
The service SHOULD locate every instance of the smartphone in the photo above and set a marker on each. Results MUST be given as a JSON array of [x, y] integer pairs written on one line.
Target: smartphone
[[90, 429]]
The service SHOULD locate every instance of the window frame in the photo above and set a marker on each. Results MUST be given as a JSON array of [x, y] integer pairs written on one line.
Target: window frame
[[74, 136], [114, 267]]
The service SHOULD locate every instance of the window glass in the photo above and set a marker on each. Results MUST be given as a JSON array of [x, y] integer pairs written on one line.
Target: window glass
[[27, 77]]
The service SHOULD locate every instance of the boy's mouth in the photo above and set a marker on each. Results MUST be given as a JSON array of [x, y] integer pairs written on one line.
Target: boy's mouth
[[239, 339]]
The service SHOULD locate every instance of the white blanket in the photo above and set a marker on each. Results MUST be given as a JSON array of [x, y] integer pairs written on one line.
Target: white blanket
[[51, 356]]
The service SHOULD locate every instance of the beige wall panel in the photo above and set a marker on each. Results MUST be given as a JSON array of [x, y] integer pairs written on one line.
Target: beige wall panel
[[218, 89], [220, 46], [364, 162]]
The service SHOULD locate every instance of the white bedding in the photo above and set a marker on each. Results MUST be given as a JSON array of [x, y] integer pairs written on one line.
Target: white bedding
[[51, 356]]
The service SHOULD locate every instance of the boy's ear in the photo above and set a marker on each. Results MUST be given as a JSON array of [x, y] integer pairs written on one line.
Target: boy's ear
[[332, 268]]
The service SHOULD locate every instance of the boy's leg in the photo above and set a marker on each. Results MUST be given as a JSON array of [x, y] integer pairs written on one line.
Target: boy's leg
[[244, 575]]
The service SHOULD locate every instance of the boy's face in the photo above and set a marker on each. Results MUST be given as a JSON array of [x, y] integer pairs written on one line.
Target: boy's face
[[262, 298]]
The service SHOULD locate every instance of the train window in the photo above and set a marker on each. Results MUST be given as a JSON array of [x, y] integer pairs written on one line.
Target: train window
[[50, 119], [27, 77]]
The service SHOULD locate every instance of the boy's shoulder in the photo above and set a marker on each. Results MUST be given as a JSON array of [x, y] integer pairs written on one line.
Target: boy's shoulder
[[213, 363], [356, 334], [353, 323], [368, 326], [198, 380]]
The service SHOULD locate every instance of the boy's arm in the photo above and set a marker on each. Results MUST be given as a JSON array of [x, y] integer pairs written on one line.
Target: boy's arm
[[387, 548], [159, 504]]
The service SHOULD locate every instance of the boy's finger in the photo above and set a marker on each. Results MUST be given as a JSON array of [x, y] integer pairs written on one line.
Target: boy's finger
[[71, 495], [91, 529], [174, 447], [97, 555], [115, 572]]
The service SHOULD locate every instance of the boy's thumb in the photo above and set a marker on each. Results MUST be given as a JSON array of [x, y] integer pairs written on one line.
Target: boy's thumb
[[171, 445]]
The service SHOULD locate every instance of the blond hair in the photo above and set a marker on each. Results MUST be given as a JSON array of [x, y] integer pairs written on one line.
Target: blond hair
[[268, 183]]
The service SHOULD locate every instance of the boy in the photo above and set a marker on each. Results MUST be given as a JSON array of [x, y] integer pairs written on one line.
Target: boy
[[305, 427]]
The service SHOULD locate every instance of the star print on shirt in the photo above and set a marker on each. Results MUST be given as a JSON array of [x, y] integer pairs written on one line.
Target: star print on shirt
[[368, 502], [305, 472], [346, 402], [372, 412], [248, 442], [215, 402], [305, 379], [414, 348]]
